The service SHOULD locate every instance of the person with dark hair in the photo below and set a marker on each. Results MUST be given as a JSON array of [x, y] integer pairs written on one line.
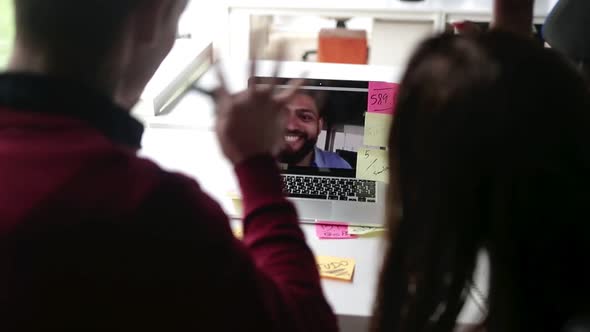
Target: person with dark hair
[[94, 238], [304, 125], [488, 153], [567, 30]]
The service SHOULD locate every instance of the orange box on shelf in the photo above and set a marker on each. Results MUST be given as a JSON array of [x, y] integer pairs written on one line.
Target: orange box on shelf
[[343, 46]]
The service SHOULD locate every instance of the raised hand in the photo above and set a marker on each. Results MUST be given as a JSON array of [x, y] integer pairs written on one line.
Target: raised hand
[[252, 122], [515, 16]]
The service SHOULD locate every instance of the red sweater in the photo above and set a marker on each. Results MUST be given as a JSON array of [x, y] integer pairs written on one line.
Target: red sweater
[[93, 237]]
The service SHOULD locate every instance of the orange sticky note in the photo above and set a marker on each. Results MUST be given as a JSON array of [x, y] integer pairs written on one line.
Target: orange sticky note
[[336, 267], [381, 98], [331, 230]]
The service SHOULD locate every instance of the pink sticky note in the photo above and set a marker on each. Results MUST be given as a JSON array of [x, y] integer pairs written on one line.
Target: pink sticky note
[[331, 230], [381, 98]]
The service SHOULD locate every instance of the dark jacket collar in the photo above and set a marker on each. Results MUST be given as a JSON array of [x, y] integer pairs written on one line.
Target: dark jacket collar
[[37, 93]]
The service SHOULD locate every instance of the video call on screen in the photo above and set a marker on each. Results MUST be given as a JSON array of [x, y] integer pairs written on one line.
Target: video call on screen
[[325, 126]]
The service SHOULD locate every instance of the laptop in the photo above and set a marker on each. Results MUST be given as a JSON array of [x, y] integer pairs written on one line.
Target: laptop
[[325, 131]]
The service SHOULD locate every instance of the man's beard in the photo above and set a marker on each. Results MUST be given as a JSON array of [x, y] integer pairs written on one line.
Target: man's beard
[[294, 157]]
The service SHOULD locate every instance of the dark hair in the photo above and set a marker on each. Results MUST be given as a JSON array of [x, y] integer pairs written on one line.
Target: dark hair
[[62, 29], [319, 97], [488, 152]]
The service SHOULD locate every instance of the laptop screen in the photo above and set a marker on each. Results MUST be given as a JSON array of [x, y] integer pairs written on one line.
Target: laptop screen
[[325, 127]]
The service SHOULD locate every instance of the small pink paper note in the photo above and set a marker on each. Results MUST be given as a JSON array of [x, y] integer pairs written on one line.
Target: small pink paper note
[[332, 230], [381, 98]]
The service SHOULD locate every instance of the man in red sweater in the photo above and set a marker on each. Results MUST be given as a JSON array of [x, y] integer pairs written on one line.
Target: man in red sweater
[[94, 238]]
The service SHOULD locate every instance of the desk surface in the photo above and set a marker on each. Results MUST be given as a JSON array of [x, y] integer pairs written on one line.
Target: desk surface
[[195, 152], [184, 142]]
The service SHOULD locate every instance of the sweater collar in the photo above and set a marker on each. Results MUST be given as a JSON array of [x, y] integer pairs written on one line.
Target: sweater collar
[[37, 93]]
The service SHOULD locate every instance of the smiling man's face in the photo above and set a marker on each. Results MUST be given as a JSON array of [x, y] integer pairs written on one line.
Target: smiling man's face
[[303, 128]]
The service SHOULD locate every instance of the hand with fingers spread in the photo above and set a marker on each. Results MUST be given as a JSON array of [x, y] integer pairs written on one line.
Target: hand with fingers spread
[[251, 123], [515, 16]]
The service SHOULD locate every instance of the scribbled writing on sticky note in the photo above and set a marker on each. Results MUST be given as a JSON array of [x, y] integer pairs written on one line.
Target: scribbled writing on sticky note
[[336, 267], [372, 165], [335, 231], [377, 128], [381, 98]]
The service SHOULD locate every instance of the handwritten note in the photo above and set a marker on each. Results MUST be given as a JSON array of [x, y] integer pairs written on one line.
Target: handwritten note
[[336, 268], [364, 230], [335, 231], [381, 98], [372, 165], [377, 128]]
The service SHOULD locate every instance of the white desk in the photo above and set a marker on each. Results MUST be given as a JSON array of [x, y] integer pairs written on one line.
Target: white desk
[[184, 142], [200, 158]]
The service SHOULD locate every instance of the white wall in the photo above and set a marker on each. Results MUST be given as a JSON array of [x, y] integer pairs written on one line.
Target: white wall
[[205, 19], [6, 30]]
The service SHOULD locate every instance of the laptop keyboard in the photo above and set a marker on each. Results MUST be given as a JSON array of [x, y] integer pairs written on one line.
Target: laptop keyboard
[[338, 189]]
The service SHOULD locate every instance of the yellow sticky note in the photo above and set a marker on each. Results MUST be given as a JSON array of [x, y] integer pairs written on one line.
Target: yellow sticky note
[[377, 128], [236, 200], [336, 267], [372, 165], [238, 232], [364, 230]]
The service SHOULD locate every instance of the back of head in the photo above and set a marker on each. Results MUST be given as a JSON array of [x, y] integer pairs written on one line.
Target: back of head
[[111, 45], [70, 30], [566, 29], [487, 151]]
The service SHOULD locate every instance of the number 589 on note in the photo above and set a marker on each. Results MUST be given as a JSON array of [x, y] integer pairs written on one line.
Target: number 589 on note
[[381, 98]]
